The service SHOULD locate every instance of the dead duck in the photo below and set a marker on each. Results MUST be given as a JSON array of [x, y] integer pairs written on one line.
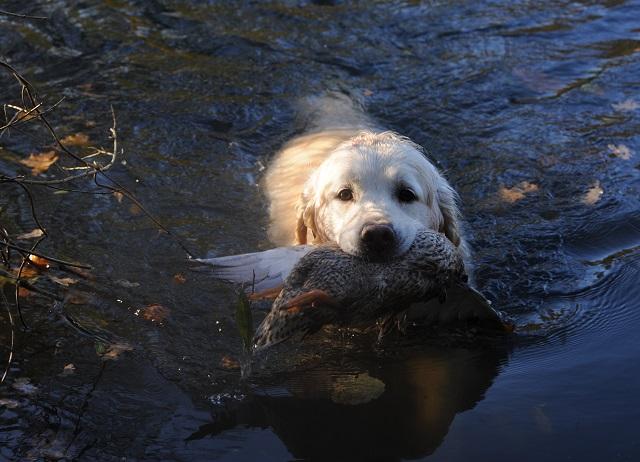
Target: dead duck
[[318, 285], [328, 286]]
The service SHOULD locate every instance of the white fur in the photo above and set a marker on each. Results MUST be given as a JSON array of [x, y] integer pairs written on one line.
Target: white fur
[[344, 149]]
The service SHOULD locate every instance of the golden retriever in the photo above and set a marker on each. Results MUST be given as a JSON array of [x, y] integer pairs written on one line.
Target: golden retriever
[[349, 182]]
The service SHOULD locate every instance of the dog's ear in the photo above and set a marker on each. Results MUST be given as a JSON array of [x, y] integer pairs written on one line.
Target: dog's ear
[[448, 203], [305, 218]]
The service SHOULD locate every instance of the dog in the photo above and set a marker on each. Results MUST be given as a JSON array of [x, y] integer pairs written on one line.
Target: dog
[[350, 182], [345, 181]]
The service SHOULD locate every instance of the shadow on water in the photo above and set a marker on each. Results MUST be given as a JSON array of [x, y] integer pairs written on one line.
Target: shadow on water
[[390, 409]]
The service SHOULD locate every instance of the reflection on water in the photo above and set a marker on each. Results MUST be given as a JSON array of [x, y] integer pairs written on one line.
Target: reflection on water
[[390, 409], [530, 108]]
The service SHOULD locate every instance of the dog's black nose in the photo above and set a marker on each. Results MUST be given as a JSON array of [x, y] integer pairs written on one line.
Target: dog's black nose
[[378, 239]]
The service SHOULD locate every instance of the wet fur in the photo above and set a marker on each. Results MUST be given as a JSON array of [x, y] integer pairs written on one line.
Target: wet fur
[[298, 182]]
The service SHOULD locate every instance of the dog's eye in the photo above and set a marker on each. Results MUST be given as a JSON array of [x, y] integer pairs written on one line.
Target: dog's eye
[[345, 195], [407, 195]]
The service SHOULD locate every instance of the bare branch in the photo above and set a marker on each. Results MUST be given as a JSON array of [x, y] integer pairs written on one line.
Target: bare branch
[[23, 16]]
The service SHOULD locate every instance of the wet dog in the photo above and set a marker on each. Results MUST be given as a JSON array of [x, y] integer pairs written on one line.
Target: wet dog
[[349, 182]]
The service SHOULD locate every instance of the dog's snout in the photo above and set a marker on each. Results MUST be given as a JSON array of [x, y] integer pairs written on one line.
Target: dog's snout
[[379, 238]]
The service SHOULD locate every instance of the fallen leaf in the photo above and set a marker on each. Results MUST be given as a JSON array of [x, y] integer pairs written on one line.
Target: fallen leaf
[[30, 235], [367, 92], [63, 281], [621, 151], [135, 210], [227, 362], [23, 115], [77, 298], [79, 139], [593, 194], [23, 292], [27, 272], [627, 105], [517, 192], [24, 386], [39, 261], [155, 313], [118, 195], [82, 272], [127, 284], [179, 278], [68, 370], [40, 163], [115, 350]]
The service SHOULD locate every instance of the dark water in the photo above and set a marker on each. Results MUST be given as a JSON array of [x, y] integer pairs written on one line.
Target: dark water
[[500, 92]]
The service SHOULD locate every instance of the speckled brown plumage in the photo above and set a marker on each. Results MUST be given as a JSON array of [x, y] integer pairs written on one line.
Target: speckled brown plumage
[[328, 286]]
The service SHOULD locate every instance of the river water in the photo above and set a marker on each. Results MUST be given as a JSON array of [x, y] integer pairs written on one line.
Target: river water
[[531, 108]]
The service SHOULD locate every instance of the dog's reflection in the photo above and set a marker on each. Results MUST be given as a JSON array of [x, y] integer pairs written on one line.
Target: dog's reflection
[[401, 408]]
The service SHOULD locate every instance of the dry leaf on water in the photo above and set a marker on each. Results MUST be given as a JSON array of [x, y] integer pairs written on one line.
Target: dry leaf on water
[[40, 163], [127, 284], [118, 195], [621, 151], [227, 362], [135, 210], [23, 292], [115, 350], [593, 194], [79, 139], [155, 313], [82, 272], [63, 281], [77, 297], [27, 272], [30, 235], [68, 370], [179, 278], [39, 261], [517, 192]]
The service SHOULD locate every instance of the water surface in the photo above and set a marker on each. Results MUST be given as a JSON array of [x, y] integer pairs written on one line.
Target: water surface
[[532, 110]]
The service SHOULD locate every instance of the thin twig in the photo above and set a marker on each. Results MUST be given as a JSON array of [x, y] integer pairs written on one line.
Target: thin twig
[[25, 115], [18, 15], [12, 328], [41, 255], [28, 92], [33, 288]]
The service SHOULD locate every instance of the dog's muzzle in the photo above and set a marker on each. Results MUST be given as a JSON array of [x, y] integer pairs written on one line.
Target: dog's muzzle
[[378, 240]]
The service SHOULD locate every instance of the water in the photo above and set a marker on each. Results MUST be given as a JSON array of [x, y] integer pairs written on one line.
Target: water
[[499, 92]]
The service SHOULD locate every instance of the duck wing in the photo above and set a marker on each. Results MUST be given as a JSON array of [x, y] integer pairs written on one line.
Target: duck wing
[[259, 271]]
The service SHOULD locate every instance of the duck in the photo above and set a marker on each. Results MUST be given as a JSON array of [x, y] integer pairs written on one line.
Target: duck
[[313, 286]]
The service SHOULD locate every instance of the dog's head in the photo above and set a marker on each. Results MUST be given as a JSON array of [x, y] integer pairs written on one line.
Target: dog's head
[[373, 194]]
